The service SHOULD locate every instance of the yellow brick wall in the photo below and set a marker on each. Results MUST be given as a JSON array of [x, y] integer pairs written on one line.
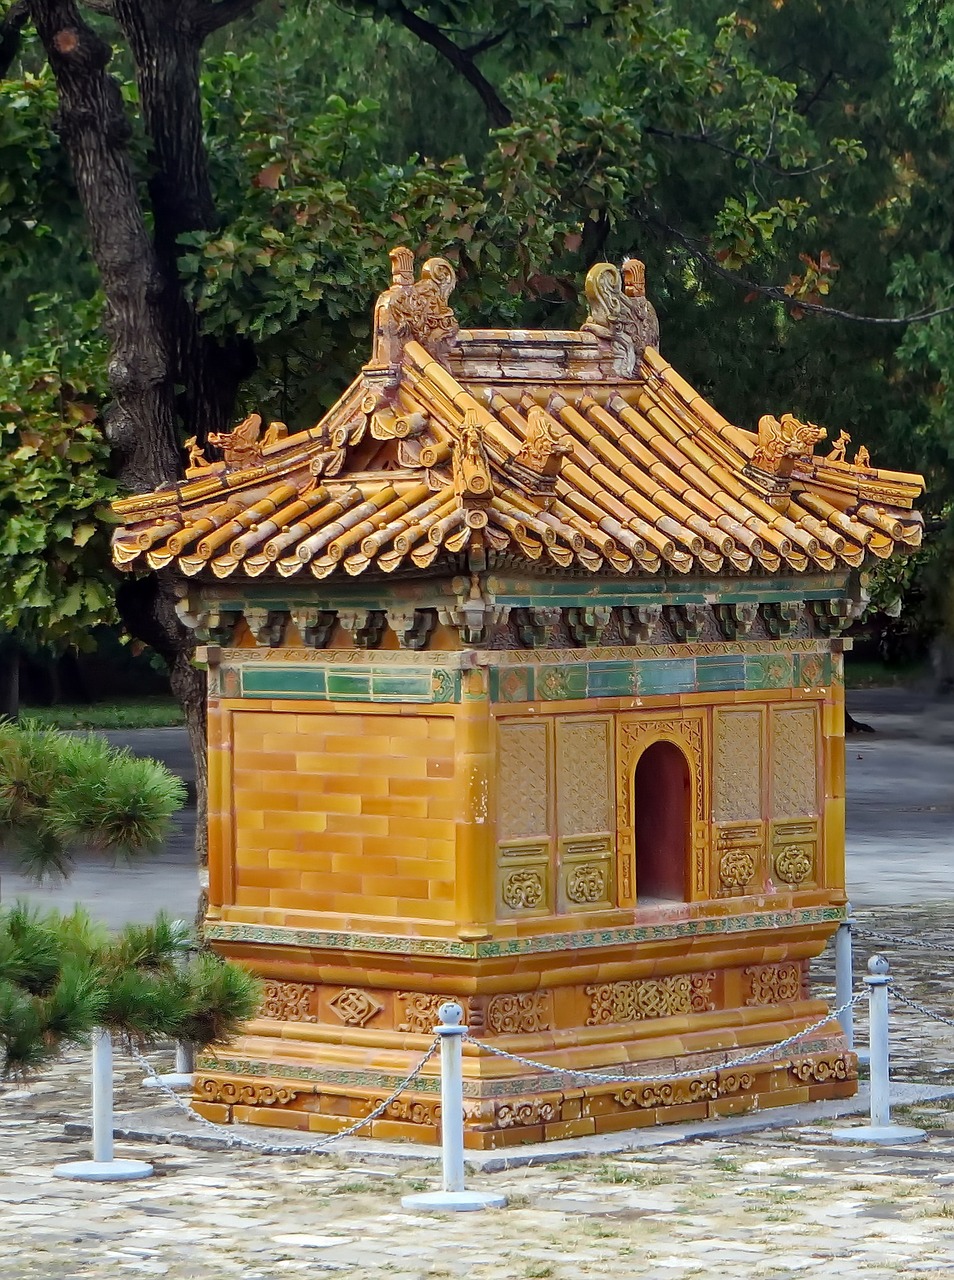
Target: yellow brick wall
[[348, 812]]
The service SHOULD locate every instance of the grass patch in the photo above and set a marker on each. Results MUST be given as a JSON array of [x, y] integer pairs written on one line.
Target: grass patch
[[158, 712], [875, 675]]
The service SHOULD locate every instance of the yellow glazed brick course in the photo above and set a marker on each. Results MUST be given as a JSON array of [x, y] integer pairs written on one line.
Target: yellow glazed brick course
[[335, 812]]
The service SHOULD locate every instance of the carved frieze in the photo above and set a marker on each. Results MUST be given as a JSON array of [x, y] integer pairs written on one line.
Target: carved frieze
[[519, 1014], [773, 983], [818, 1069], [650, 998], [420, 1011], [794, 864], [289, 1001], [208, 1089]]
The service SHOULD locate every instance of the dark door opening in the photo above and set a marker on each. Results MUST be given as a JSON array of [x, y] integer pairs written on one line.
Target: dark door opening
[[661, 804]]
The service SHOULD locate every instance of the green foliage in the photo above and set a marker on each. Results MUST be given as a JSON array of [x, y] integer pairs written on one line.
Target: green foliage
[[60, 978], [762, 142], [60, 792], [54, 486]]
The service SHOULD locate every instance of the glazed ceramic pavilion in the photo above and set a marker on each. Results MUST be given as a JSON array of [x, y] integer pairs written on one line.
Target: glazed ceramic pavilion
[[525, 689]]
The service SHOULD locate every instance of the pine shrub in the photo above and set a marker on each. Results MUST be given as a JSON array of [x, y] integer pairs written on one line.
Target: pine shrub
[[60, 793], [60, 977]]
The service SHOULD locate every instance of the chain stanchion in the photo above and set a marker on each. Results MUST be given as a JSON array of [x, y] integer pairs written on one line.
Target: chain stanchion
[[181, 1076], [880, 1130], [844, 976], [103, 1167], [452, 1195], [237, 1142]]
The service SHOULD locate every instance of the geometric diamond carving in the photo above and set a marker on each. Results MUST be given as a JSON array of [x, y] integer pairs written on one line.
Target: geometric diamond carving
[[355, 1007]]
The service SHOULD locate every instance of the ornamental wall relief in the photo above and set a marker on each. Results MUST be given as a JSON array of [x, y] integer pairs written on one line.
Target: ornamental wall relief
[[650, 998]]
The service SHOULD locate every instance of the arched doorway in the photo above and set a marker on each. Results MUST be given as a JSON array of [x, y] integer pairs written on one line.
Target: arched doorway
[[661, 807]]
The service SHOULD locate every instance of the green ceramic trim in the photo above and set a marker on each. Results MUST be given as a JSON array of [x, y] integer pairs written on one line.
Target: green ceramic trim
[[541, 944], [484, 1089]]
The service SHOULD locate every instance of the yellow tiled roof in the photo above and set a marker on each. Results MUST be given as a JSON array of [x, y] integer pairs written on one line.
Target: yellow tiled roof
[[582, 449]]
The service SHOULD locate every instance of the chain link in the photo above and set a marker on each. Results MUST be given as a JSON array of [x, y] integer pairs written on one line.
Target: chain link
[[757, 1056], [236, 1141], [919, 1008], [898, 940]]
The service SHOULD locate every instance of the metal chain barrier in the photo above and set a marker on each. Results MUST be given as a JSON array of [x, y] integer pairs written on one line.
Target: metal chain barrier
[[920, 1008], [236, 1141], [898, 940], [605, 1077]]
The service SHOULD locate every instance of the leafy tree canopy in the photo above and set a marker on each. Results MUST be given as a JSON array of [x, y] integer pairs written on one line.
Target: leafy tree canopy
[[778, 166]]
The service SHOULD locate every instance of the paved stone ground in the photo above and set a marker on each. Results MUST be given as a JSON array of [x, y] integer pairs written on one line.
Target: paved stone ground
[[773, 1206]]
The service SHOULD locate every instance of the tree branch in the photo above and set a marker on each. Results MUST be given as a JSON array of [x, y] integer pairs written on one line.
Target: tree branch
[[777, 294], [14, 20], [212, 17], [462, 60], [707, 140]]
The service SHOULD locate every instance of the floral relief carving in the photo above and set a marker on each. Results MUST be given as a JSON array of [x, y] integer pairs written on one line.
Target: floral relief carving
[[519, 1014], [523, 889], [420, 1011], [587, 883], [289, 1001], [794, 864], [355, 1007], [736, 869], [774, 983], [650, 998], [819, 1069], [253, 1095]]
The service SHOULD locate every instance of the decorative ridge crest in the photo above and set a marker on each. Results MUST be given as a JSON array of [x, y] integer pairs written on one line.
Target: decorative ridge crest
[[620, 313], [415, 310]]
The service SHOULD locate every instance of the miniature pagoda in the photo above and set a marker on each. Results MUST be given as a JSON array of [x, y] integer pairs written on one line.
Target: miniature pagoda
[[525, 689]]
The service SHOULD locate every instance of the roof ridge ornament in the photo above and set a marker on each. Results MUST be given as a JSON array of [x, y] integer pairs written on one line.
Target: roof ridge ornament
[[472, 477], [782, 442], [620, 313], [415, 310]]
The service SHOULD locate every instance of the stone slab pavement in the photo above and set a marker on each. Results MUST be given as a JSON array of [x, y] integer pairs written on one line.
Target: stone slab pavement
[[900, 820]]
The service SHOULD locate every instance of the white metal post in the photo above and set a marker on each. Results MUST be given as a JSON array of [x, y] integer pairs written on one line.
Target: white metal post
[[844, 977], [880, 1129], [181, 1078], [877, 983], [103, 1167], [102, 1096], [452, 1195]]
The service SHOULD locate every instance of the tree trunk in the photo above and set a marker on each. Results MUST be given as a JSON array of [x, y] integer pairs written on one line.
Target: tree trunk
[[166, 42], [95, 131], [9, 679]]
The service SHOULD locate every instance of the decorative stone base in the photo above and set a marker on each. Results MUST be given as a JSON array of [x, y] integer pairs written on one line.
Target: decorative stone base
[[492, 1121]]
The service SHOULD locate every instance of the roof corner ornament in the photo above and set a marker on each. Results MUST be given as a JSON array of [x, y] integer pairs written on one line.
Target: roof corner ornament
[[782, 441], [620, 312], [415, 310], [545, 445], [241, 447], [472, 477]]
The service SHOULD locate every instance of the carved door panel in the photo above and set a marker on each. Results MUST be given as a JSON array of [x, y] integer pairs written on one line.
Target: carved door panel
[[584, 778], [794, 858], [524, 817], [739, 801]]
